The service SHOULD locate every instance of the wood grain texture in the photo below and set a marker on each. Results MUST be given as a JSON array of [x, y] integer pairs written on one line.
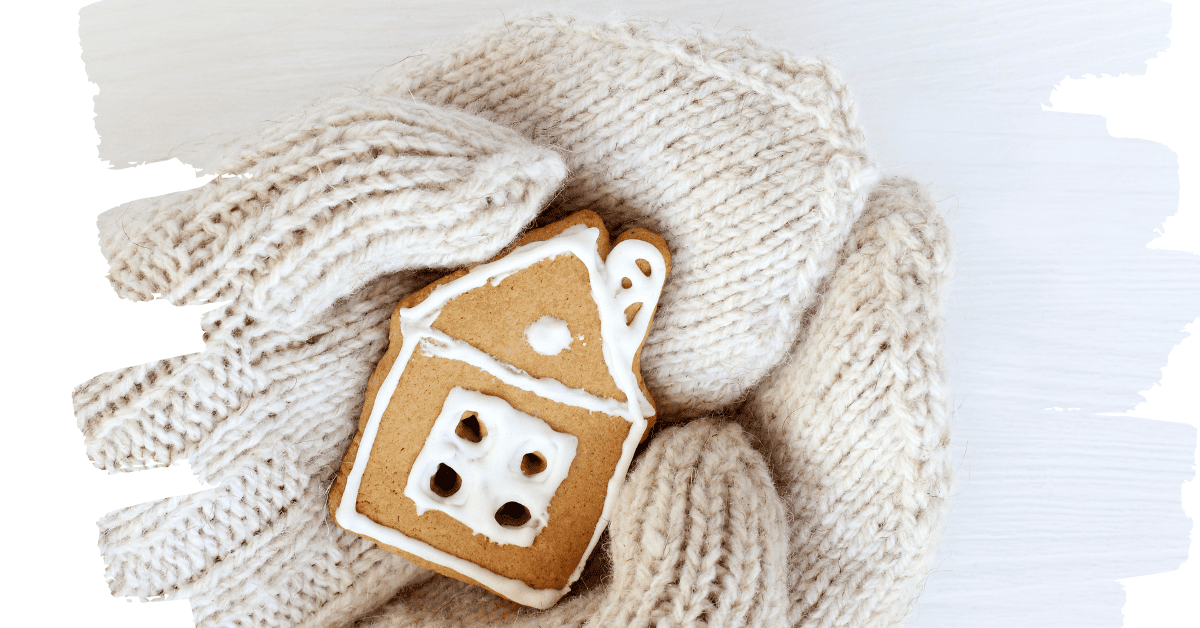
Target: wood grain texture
[[1057, 303]]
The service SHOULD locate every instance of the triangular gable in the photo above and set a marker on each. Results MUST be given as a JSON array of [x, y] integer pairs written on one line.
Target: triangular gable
[[615, 282], [500, 318]]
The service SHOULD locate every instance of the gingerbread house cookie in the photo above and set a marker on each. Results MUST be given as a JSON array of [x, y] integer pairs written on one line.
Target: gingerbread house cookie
[[500, 424]]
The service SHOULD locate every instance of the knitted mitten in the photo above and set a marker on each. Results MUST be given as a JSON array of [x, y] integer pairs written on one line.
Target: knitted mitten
[[749, 161], [856, 424], [327, 202]]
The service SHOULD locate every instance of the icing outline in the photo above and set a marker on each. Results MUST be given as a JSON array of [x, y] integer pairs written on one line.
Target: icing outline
[[619, 342]]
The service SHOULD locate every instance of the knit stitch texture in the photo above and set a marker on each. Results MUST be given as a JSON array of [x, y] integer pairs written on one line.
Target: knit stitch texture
[[344, 192], [856, 425], [749, 161], [814, 499]]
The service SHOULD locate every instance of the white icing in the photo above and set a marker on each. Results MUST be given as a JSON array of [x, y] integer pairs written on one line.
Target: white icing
[[622, 266], [548, 335], [438, 344], [495, 281], [490, 470], [619, 344]]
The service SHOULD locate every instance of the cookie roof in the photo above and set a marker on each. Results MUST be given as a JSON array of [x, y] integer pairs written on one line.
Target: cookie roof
[[542, 320], [476, 312]]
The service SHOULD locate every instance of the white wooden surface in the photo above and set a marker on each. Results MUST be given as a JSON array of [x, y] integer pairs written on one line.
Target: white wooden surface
[[1059, 313]]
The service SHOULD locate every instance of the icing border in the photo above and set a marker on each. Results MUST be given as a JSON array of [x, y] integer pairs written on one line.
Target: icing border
[[619, 343]]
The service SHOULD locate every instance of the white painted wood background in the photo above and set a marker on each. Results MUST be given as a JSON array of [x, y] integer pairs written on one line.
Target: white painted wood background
[[1059, 314]]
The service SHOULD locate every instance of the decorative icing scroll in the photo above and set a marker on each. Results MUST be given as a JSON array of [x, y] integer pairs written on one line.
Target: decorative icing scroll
[[623, 269]]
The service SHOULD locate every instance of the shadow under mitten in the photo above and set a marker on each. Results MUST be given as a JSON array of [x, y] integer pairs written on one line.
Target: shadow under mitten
[[697, 539]]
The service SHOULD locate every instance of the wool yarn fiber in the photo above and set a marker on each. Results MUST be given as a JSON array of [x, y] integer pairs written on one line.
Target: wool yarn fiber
[[307, 244], [801, 321], [749, 161]]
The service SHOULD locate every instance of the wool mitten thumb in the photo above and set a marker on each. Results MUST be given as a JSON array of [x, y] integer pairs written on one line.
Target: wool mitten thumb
[[697, 539], [856, 423]]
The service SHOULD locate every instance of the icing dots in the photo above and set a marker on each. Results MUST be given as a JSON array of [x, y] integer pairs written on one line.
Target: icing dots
[[548, 335]]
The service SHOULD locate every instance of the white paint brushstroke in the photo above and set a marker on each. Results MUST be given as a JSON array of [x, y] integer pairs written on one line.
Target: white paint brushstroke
[[1171, 599], [1160, 106]]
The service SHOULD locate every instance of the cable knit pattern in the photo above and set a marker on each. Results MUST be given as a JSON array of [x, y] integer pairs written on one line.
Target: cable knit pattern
[[819, 506], [695, 540], [857, 425], [748, 160]]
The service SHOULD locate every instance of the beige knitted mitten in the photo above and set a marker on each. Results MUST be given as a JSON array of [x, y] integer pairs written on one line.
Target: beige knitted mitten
[[750, 163], [856, 425], [345, 192]]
